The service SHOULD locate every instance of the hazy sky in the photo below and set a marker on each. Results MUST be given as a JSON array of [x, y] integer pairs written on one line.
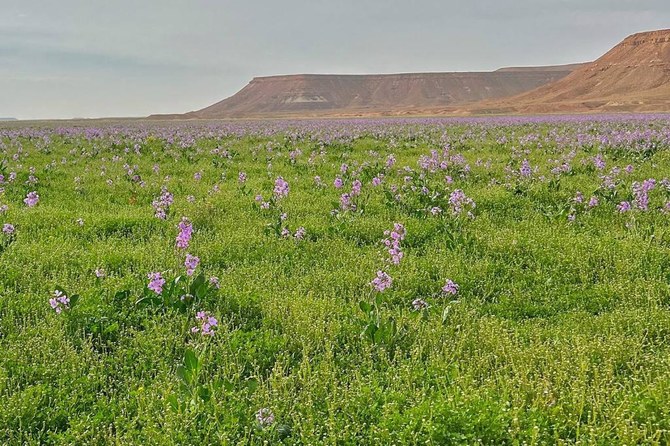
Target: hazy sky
[[93, 58]]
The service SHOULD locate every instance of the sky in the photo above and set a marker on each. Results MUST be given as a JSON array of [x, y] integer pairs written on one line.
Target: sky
[[93, 58]]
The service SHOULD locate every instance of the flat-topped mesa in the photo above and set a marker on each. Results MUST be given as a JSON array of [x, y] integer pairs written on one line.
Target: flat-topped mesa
[[370, 94], [634, 76]]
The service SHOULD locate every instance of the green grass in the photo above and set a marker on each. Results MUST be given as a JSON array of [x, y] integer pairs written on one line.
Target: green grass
[[559, 333]]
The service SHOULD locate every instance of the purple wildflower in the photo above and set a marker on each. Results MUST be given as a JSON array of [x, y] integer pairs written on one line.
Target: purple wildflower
[[281, 189], [207, 322], [59, 302], [382, 281], [185, 233], [8, 229], [191, 263], [156, 282], [450, 287], [300, 233], [356, 187], [31, 199], [459, 200]]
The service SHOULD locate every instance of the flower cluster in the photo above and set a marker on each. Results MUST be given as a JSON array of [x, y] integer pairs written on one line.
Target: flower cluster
[[31, 199], [281, 188], [185, 233], [162, 204], [191, 263], [450, 288], [8, 229], [459, 202], [382, 281], [641, 193], [265, 417], [59, 302], [392, 243], [156, 282], [207, 324]]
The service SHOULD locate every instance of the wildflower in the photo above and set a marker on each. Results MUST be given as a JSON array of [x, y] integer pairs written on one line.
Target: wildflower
[[214, 281], [281, 189], [624, 206], [8, 229], [300, 233], [100, 273], [599, 162], [59, 302], [197, 176], [207, 324], [382, 281], [435, 210], [80, 221], [376, 181], [265, 417], [395, 236], [525, 170], [346, 202], [242, 178], [450, 288], [338, 183], [285, 233], [156, 282], [185, 233], [191, 263], [190, 199], [641, 193], [459, 200], [317, 181], [579, 197], [419, 304], [593, 202], [162, 204], [356, 187], [31, 199]]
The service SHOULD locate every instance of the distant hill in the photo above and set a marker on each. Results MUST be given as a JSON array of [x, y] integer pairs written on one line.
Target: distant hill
[[332, 95], [632, 76], [8, 119]]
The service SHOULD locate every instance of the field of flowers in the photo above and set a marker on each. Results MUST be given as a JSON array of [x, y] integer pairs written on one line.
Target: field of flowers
[[454, 281]]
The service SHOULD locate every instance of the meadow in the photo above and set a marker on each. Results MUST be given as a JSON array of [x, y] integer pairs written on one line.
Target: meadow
[[424, 281]]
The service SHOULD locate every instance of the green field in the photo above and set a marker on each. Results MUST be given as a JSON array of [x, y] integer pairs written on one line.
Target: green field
[[557, 333]]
